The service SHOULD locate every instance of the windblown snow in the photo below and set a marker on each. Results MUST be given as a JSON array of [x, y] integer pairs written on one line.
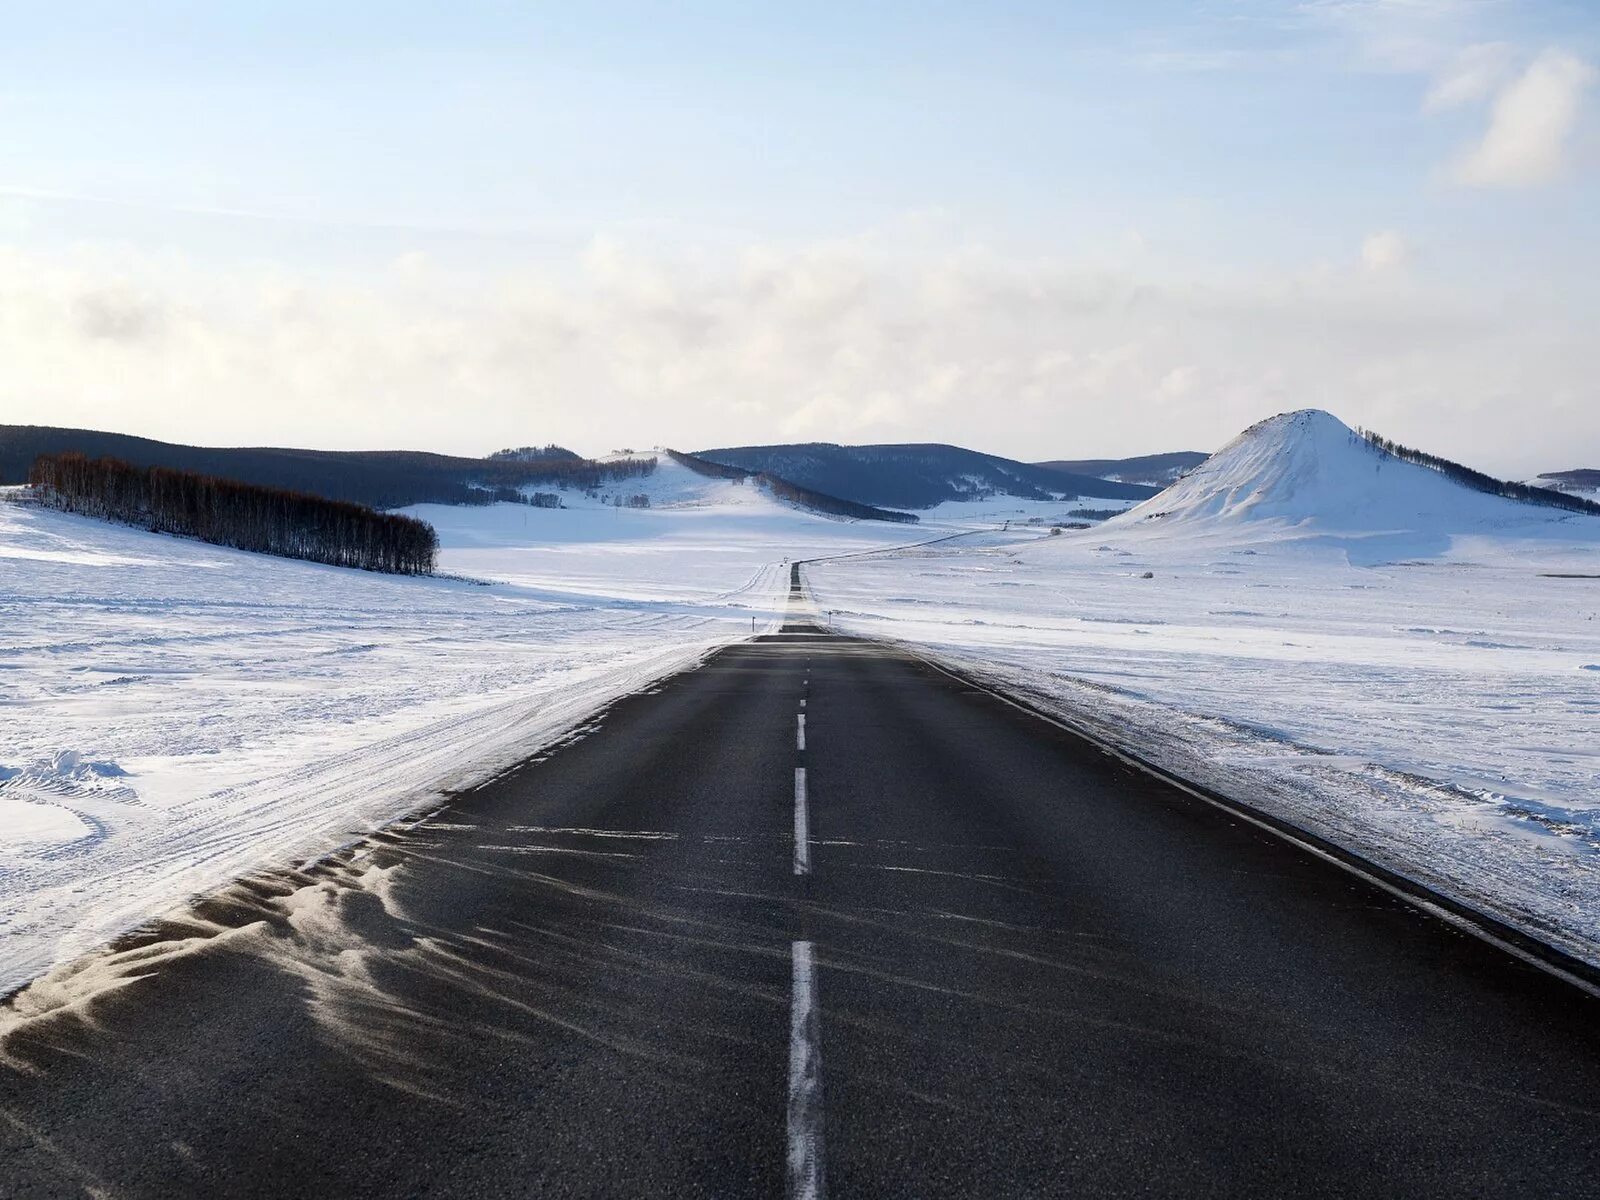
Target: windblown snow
[[1357, 643], [176, 714]]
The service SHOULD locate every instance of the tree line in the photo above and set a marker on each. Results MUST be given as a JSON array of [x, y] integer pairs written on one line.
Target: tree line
[[832, 505], [792, 492], [246, 516], [543, 453], [500, 481], [1478, 481], [510, 495]]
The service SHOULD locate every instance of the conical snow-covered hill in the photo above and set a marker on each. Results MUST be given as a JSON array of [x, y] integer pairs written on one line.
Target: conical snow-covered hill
[[1309, 469]]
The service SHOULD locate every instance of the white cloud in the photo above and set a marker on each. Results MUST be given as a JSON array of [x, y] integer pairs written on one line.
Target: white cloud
[[1530, 124], [1472, 75], [1535, 98], [1383, 251], [835, 341]]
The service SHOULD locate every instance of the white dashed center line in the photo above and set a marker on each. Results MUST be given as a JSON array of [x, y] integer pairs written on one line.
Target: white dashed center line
[[805, 1043], [802, 825], [805, 1082]]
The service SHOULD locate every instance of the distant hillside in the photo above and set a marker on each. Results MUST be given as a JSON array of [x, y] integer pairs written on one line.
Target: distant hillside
[[1479, 481], [1582, 482], [537, 454], [916, 475], [783, 489], [1310, 471], [378, 478], [1157, 470]]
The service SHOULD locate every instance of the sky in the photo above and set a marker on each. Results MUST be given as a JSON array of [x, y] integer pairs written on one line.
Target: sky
[[1044, 230]]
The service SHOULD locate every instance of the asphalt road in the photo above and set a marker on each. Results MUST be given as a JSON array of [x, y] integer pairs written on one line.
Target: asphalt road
[[996, 963]]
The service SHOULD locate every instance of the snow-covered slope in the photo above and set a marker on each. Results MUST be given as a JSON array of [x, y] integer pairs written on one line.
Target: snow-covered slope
[[1584, 482], [1310, 468], [672, 485], [670, 479], [697, 538], [1307, 479], [1155, 470], [917, 476]]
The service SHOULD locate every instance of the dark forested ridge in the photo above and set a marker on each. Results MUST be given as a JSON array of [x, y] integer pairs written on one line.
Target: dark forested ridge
[[1582, 479], [916, 475], [1157, 470], [1479, 481], [704, 466], [792, 492], [388, 478], [229, 513], [537, 454], [378, 478]]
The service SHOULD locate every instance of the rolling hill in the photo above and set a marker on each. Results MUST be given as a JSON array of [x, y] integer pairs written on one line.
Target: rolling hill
[[1155, 470], [379, 478], [917, 475], [1308, 471], [1582, 482], [389, 479]]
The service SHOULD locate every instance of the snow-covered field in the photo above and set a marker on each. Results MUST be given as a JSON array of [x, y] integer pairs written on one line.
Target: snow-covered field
[[1000, 510], [174, 714], [1357, 644]]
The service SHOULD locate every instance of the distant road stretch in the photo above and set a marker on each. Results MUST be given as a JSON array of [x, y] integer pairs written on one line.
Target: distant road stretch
[[813, 918]]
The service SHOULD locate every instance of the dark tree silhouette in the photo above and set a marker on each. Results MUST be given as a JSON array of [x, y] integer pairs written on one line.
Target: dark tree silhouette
[[1478, 481], [792, 492], [243, 515], [536, 453]]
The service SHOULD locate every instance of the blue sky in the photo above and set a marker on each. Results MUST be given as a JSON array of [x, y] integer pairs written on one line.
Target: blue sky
[[1043, 230]]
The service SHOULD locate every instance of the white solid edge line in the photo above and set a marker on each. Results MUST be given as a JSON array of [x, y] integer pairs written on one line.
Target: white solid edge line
[[800, 732], [802, 825], [1454, 919], [806, 1178]]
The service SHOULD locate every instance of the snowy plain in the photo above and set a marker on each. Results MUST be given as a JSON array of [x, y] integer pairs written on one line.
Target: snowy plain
[[173, 714], [1356, 644]]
